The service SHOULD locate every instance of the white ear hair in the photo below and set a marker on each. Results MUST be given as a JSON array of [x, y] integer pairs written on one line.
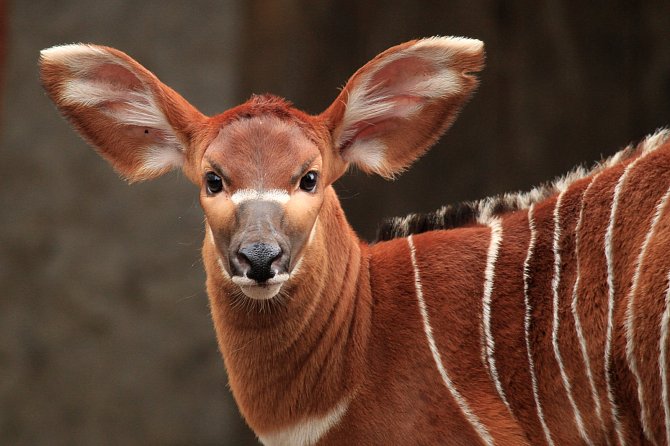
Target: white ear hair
[[104, 81], [398, 85], [368, 101]]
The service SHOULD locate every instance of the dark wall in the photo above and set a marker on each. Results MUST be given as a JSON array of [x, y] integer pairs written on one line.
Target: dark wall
[[565, 82], [105, 335]]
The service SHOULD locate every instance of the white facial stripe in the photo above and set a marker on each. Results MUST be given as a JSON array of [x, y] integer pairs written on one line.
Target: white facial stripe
[[222, 268], [277, 195], [312, 233], [297, 266], [210, 234]]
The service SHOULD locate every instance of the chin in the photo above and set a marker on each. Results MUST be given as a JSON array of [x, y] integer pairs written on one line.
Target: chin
[[260, 291]]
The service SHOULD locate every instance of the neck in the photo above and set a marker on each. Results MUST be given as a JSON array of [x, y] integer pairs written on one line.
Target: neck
[[302, 355]]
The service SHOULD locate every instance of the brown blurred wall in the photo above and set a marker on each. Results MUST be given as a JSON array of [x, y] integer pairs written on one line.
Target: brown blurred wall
[[105, 335]]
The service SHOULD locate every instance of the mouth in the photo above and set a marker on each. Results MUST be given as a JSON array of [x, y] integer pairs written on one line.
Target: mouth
[[260, 291]]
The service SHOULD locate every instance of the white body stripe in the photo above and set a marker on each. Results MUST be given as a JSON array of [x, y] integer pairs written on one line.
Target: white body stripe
[[527, 321], [610, 300], [462, 404], [575, 313], [276, 195], [555, 282], [488, 343], [662, 362], [309, 431], [630, 316]]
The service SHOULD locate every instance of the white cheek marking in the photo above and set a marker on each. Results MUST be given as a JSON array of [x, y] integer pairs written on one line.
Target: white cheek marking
[[309, 431], [210, 238], [222, 268], [277, 195], [312, 233], [210, 234]]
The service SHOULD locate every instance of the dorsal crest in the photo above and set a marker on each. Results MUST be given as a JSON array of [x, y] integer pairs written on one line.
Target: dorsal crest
[[481, 211]]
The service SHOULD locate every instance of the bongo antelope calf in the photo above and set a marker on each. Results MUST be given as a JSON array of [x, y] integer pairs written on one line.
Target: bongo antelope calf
[[531, 318]]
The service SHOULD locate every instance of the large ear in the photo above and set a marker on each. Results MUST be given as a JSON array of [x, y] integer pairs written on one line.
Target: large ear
[[141, 126], [395, 107]]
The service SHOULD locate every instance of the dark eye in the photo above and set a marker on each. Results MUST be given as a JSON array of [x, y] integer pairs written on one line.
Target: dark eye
[[308, 182], [214, 183]]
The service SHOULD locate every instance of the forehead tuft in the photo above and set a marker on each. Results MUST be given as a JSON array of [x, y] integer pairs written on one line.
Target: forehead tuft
[[266, 104], [262, 133]]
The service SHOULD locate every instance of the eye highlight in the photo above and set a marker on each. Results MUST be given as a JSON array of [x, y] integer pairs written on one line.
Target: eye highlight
[[308, 181], [213, 183]]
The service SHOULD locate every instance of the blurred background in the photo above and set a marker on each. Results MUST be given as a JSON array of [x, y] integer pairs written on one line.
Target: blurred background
[[105, 335]]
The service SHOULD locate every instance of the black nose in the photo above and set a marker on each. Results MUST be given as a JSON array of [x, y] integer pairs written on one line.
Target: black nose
[[259, 256]]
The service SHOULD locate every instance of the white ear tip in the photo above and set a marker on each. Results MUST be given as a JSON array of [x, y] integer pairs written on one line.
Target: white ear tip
[[460, 44], [63, 52]]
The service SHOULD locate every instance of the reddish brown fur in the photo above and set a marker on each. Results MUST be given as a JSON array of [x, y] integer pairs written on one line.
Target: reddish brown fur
[[350, 328], [569, 346], [120, 146], [557, 411], [508, 323], [592, 291], [307, 344], [648, 319]]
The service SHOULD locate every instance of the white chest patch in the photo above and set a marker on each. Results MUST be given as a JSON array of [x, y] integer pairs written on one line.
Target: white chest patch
[[308, 431]]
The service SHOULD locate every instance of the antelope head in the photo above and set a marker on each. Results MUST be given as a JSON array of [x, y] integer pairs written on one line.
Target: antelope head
[[264, 168]]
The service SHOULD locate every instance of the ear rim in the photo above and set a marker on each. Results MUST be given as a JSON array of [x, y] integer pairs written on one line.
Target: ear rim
[[471, 54], [61, 66]]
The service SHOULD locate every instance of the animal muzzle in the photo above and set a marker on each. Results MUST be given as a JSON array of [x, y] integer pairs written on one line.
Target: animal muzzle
[[259, 252], [255, 261]]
